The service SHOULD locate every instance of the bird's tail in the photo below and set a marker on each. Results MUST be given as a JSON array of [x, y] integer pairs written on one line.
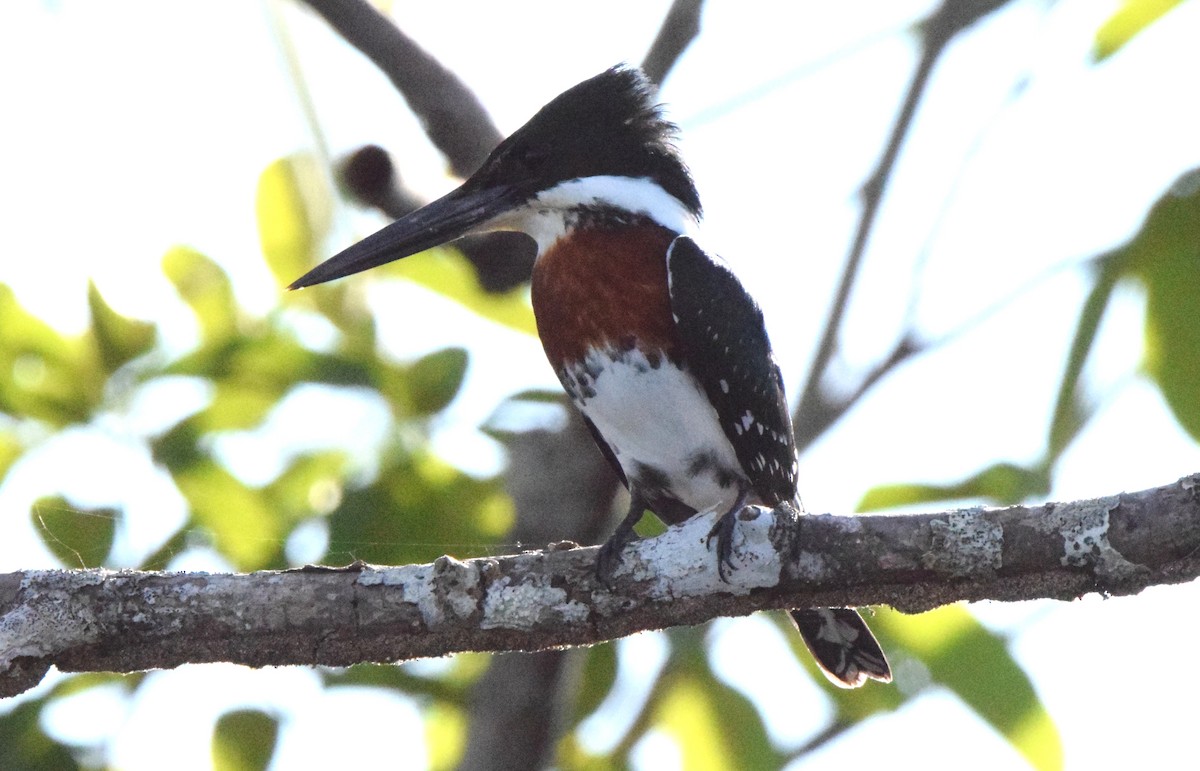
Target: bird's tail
[[843, 645]]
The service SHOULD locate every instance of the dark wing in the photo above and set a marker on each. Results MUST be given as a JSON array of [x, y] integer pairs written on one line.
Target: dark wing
[[726, 348]]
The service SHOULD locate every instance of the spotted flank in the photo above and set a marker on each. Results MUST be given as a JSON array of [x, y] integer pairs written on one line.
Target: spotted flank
[[842, 645], [725, 344]]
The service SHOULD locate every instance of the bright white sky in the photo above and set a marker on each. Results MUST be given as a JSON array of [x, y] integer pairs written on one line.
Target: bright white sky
[[134, 126]]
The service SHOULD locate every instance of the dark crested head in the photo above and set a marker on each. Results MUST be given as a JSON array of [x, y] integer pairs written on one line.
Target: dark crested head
[[608, 125]]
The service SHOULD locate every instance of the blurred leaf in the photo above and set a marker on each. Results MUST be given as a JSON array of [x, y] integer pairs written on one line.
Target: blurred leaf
[[118, 338], [276, 361], [78, 537], [23, 744], [246, 530], [976, 665], [1130, 19], [599, 676], [43, 374], [83, 681], [1003, 483], [1165, 255], [179, 447], [244, 740], [447, 272], [714, 725], [445, 736], [294, 210], [176, 544], [420, 508], [397, 677], [238, 405], [1072, 409], [310, 484], [10, 450], [434, 380], [204, 286], [571, 754], [686, 711]]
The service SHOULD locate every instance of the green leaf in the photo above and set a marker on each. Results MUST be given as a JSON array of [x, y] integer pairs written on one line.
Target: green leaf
[[118, 339], [445, 735], [78, 537], [43, 374], [277, 361], [1165, 255], [686, 711], [1130, 19], [448, 273], [245, 528], [399, 678], [961, 654], [238, 405], [420, 508], [1003, 483], [84, 681], [599, 676], [244, 740], [204, 286], [1072, 409], [178, 448], [433, 381], [10, 449], [294, 209], [715, 726], [311, 484], [24, 745], [162, 556]]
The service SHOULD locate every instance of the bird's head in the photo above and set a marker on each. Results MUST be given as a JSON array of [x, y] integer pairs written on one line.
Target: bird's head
[[601, 145]]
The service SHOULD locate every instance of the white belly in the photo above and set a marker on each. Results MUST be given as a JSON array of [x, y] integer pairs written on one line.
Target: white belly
[[657, 418]]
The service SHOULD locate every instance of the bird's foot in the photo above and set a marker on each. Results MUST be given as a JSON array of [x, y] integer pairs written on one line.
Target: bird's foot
[[610, 556], [723, 532]]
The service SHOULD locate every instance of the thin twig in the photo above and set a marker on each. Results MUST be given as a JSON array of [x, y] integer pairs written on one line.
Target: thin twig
[[825, 736], [936, 33], [678, 30]]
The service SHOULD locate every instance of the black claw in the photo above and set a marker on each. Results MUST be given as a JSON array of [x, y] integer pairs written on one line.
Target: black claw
[[723, 532], [610, 557]]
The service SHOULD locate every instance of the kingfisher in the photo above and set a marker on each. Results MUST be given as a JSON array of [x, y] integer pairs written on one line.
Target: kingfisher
[[656, 342]]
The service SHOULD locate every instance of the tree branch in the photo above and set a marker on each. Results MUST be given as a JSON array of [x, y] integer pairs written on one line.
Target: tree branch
[[677, 32], [816, 411], [453, 117], [89, 620]]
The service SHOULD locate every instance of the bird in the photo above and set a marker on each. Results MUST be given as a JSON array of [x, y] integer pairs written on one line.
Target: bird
[[655, 341]]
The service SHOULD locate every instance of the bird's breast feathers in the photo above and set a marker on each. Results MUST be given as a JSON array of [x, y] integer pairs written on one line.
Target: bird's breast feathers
[[658, 422]]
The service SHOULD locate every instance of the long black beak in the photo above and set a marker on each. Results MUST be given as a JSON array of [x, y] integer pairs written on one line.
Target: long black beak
[[453, 215]]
